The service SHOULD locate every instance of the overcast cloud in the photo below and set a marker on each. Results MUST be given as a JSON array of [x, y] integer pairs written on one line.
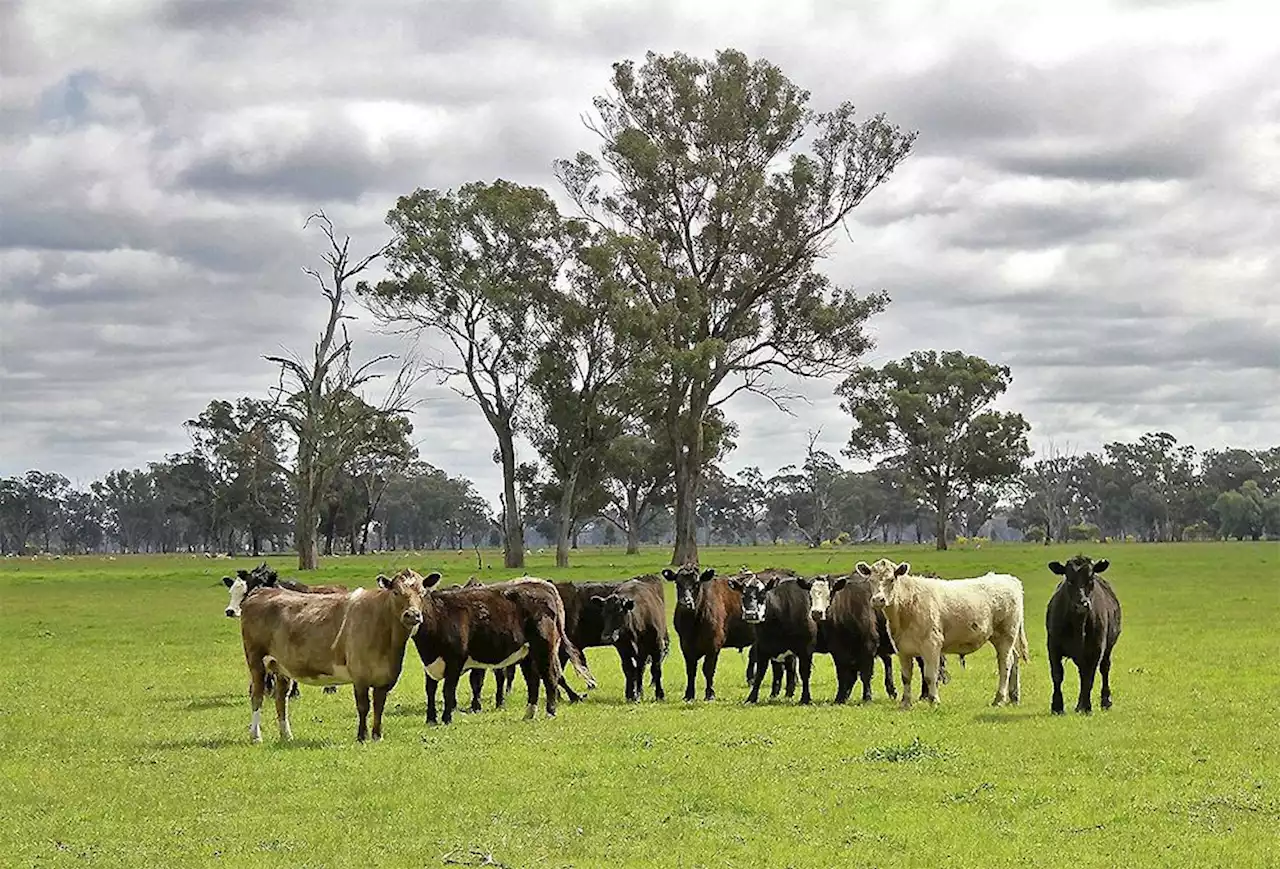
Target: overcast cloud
[[1094, 199]]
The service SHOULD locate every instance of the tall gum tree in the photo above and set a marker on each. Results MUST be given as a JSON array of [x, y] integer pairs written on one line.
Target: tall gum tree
[[477, 266], [930, 413], [701, 168]]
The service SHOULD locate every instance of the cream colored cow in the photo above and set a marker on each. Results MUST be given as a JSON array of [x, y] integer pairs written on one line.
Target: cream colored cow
[[928, 617]]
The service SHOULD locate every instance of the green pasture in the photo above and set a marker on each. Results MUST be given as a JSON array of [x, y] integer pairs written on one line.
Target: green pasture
[[124, 737]]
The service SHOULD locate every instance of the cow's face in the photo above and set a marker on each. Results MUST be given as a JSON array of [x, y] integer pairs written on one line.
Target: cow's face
[[614, 610], [883, 574], [755, 592], [688, 583], [821, 589], [244, 582], [1078, 574], [408, 591]]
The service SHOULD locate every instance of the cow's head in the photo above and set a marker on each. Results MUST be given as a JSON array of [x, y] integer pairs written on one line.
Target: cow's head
[[883, 574], [614, 610], [1078, 574], [821, 588], [408, 590], [688, 583], [755, 591], [244, 582]]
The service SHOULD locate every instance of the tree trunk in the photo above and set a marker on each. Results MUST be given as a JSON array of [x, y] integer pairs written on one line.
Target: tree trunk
[[304, 536], [688, 475], [633, 524], [940, 520], [512, 523], [257, 542], [564, 528]]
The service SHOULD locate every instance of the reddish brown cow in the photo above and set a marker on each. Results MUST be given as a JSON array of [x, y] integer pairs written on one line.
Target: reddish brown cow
[[708, 618], [493, 627], [330, 639]]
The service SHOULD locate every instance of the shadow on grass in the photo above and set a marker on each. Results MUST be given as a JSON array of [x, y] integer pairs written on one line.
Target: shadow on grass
[[192, 742], [1009, 716], [208, 701]]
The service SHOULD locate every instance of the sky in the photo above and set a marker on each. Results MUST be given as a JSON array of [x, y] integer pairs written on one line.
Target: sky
[[1093, 199]]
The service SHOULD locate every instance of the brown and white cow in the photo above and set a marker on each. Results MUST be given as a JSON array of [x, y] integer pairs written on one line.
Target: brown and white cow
[[930, 616], [492, 627], [330, 639]]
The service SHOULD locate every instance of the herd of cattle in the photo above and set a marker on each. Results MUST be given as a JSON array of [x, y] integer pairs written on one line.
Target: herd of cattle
[[331, 635]]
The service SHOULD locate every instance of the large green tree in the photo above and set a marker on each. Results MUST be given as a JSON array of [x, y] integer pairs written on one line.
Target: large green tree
[[478, 266], [931, 412], [726, 214]]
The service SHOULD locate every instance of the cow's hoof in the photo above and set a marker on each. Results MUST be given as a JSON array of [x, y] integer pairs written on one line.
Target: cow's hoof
[[1057, 710], [904, 704], [530, 712]]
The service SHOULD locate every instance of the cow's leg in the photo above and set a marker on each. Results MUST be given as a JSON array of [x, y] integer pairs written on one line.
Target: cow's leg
[[775, 687], [628, 673], [563, 658], [549, 685], [431, 699], [283, 687], [1004, 660], [1055, 673], [929, 676], [843, 674], [889, 688], [757, 681], [379, 701], [1105, 667], [1015, 681], [477, 685], [294, 690], [452, 675], [691, 673], [655, 671], [906, 664], [789, 665], [362, 710], [709, 673], [257, 688], [499, 687], [806, 669], [867, 670], [532, 681], [1088, 669], [750, 676]]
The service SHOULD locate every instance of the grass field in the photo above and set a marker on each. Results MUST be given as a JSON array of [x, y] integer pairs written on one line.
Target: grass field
[[124, 738]]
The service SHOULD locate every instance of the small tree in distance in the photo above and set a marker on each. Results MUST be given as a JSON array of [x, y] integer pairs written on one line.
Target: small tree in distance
[[930, 413]]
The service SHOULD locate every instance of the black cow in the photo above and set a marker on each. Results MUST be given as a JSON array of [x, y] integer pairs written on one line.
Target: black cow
[[1083, 623], [584, 619], [786, 612], [634, 620]]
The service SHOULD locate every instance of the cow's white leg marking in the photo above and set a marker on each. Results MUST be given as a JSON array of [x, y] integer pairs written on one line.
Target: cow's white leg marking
[[286, 732], [255, 726]]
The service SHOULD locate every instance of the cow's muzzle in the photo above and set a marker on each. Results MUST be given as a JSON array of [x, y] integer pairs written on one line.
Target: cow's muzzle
[[818, 615], [613, 636], [753, 617], [877, 601], [231, 614], [411, 618]]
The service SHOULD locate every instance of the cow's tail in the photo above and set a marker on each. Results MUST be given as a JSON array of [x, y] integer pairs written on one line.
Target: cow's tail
[[566, 645], [1021, 648], [575, 658]]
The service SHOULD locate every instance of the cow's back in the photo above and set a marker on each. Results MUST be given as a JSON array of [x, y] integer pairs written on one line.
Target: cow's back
[[852, 624]]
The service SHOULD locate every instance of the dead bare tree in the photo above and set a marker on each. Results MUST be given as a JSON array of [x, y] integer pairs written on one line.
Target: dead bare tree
[[319, 398]]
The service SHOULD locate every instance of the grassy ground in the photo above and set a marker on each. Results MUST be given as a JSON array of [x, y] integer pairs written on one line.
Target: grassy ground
[[123, 739]]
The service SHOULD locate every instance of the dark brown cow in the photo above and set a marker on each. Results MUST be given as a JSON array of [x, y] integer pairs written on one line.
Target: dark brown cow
[[1083, 622], [634, 621], [492, 627], [503, 679], [330, 639], [584, 618], [708, 618]]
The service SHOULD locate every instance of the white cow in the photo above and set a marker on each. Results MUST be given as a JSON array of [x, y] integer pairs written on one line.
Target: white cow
[[929, 617]]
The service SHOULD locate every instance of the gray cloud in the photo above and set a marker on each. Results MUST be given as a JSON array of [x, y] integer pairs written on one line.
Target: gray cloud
[[1083, 209]]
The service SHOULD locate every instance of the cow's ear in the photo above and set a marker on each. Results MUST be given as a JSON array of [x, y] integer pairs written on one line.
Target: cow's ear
[[839, 583], [903, 569], [628, 604], [1058, 568], [735, 584], [1101, 566], [668, 573], [863, 568], [228, 581], [708, 575], [384, 581], [806, 584], [430, 580], [242, 573]]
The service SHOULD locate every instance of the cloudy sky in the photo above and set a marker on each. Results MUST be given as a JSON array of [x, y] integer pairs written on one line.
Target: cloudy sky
[[1094, 199]]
